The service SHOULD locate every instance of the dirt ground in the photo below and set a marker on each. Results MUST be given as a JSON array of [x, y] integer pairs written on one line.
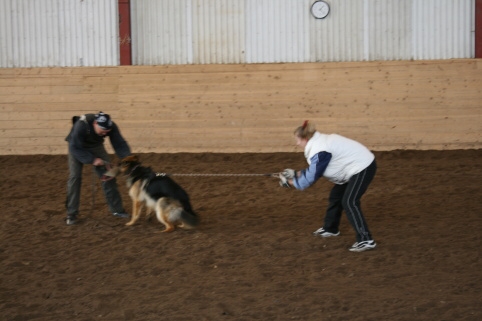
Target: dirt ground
[[253, 257]]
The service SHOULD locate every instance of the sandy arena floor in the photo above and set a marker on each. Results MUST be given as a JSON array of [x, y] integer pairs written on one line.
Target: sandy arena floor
[[253, 256]]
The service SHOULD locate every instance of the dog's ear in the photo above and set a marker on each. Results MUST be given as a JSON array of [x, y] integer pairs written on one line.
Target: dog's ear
[[130, 159]]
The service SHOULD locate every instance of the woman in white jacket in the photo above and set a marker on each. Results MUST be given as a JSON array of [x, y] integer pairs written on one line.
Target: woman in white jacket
[[350, 166]]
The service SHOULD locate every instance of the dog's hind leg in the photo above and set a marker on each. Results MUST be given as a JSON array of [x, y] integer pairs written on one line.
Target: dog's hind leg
[[136, 212], [169, 228], [162, 213]]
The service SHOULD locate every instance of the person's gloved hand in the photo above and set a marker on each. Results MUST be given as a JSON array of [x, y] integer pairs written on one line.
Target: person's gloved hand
[[98, 162], [283, 181], [289, 173]]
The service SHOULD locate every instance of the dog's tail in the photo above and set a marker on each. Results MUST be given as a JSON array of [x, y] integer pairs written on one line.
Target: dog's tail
[[189, 220], [176, 214]]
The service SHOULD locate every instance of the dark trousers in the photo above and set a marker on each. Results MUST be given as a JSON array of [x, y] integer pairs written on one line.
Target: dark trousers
[[347, 197], [74, 183]]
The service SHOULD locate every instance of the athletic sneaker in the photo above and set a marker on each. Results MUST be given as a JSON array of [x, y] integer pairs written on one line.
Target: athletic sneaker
[[71, 220], [323, 233], [121, 214], [363, 246]]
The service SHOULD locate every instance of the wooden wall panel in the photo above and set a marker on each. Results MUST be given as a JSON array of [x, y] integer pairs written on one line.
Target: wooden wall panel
[[248, 108]]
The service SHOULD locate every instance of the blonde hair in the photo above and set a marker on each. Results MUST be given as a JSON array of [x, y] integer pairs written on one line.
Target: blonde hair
[[305, 131]]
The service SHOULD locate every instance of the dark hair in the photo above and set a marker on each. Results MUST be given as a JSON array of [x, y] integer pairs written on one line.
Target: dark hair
[[305, 131]]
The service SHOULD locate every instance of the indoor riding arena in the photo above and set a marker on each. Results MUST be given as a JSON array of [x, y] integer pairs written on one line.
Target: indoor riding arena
[[220, 131], [253, 256]]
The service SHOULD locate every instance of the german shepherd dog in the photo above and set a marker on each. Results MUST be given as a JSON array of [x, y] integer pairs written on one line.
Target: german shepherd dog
[[159, 193]]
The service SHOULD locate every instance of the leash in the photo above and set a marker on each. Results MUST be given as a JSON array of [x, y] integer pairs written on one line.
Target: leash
[[217, 175]]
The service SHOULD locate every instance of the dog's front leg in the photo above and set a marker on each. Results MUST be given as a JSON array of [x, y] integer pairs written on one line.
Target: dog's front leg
[[136, 212]]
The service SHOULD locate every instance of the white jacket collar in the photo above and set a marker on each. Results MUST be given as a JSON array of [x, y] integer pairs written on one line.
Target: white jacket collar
[[310, 150]]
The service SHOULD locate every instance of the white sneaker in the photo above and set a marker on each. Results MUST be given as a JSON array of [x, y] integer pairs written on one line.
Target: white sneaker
[[323, 233], [121, 214], [363, 246]]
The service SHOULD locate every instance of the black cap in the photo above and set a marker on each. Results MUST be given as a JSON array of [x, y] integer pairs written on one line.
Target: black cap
[[104, 121]]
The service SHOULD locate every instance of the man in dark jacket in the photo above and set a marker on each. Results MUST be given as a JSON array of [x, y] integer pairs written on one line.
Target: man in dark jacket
[[86, 146]]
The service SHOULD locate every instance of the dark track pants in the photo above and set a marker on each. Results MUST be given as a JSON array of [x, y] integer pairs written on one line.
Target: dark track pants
[[74, 183], [347, 197]]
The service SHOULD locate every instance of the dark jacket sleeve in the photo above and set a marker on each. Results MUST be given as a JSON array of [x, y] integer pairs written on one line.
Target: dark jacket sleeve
[[76, 139], [309, 176], [118, 142]]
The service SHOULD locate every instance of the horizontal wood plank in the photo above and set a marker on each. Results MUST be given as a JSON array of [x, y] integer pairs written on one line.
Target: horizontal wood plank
[[247, 108]]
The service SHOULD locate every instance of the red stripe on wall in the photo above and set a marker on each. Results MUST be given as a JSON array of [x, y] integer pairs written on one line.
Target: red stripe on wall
[[125, 32], [478, 28]]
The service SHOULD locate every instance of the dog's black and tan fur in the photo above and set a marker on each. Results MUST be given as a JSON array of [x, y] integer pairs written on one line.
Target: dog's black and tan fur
[[159, 193]]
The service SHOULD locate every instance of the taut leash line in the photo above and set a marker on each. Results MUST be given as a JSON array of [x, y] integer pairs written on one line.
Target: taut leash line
[[214, 175]]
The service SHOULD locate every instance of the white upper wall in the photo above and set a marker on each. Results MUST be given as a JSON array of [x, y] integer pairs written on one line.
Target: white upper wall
[[58, 33], [38, 33]]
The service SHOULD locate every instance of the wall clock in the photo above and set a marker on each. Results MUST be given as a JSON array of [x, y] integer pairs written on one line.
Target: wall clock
[[320, 9]]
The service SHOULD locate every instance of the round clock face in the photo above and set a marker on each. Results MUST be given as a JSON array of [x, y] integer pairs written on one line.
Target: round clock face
[[320, 9]]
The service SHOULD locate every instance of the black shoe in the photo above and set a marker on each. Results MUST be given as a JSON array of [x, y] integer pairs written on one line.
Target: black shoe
[[71, 220], [121, 214]]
